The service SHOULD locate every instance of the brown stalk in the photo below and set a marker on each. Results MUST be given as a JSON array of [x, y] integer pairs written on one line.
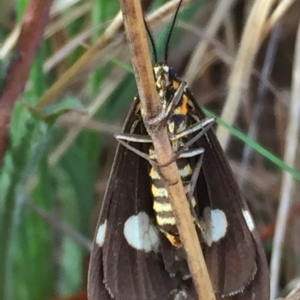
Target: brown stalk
[[151, 108], [239, 78], [36, 18]]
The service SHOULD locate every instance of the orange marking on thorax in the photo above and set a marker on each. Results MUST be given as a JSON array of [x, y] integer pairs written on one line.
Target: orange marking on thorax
[[183, 108], [175, 84]]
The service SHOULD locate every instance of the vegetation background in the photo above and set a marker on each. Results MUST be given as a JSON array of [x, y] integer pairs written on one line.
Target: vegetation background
[[61, 144]]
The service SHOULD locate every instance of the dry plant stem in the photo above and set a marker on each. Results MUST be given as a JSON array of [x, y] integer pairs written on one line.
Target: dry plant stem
[[294, 294], [260, 101], [291, 142], [277, 14], [60, 226], [239, 78], [35, 20], [76, 12], [150, 104], [10, 42], [65, 50], [69, 120], [217, 18]]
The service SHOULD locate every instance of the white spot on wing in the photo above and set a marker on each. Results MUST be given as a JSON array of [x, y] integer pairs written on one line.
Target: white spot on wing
[[101, 234], [140, 233], [248, 219], [215, 225], [218, 224]]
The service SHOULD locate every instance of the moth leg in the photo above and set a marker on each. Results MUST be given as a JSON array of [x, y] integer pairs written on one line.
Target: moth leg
[[146, 139], [190, 195], [202, 126], [168, 109], [176, 98], [195, 175], [134, 150], [136, 138], [191, 153]]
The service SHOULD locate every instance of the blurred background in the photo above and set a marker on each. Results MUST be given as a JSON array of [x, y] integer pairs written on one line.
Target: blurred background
[[62, 146]]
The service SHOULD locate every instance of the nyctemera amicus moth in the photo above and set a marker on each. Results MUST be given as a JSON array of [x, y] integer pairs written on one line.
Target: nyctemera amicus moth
[[137, 253]]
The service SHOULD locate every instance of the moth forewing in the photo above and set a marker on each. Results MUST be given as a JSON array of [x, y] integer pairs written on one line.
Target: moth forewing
[[237, 262], [127, 264]]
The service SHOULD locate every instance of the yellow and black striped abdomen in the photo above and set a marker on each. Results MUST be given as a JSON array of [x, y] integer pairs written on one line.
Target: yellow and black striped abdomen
[[161, 203]]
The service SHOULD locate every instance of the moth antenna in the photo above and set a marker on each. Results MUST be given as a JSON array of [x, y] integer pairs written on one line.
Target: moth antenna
[[171, 30], [152, 42]]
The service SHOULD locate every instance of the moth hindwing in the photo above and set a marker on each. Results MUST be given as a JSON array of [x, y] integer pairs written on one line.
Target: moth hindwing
[[137, 252]]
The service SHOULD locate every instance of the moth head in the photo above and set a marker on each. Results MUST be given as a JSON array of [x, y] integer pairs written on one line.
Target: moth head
[[163, 76]]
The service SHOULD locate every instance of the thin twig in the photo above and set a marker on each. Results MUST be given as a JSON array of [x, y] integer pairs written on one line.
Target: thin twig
[[35, 20], [260, 102], [277, 15], [243, 65], [222, 7], [71, 119], [294, 294], [62, 227], [291, 142], [151, 107]]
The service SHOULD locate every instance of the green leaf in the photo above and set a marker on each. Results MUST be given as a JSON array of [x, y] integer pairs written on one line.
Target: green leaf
[[257, 147]]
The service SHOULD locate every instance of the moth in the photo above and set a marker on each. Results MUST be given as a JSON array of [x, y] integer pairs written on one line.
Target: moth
[[137, 253]]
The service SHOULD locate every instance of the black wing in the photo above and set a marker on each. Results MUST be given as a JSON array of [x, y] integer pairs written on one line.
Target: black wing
[[236, 263]]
